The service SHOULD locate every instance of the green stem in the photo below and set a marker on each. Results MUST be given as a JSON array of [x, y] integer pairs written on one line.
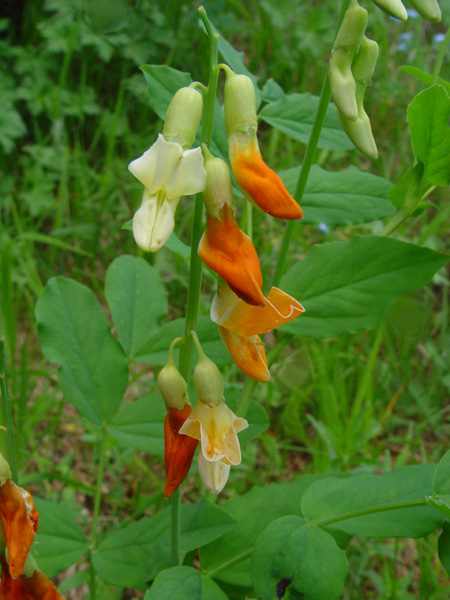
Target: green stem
[[362, 512], [7, 414], [440, 58], [195, 267], [97, 503], [229, 563]]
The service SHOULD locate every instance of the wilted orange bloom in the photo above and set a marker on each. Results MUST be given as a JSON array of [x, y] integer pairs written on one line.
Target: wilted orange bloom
[[230, 253], [11, 589], [240, 326], [36, 587], [19, 518], [262, 186], [179, 448]]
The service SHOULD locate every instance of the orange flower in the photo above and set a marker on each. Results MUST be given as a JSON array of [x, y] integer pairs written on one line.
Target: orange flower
[[19, 518], [231, 254], [35, 587], [39, 587], [240, 326], [10, 589], [179, 448], [261, 186]]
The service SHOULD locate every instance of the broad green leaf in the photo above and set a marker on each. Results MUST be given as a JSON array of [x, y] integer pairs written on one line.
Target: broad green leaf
[[60, 540], [141, 424], [425, 77], [176, 583], [343, 197], [271, 91], [133, 555], [444, 547], [286, 563], [428, 118], [74, 332], [252, 512], [331, 498], [347, 286], [441, 486], [219, 144], [137, 300], [408, 191], [211, 591], [155, 349], [163, 82], [294, 116], [440, 504]]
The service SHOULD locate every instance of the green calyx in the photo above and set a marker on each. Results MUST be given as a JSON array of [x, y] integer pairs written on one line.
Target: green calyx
[[183, 117], [218, 189], [171, 383], [208, 380], [240, 104]]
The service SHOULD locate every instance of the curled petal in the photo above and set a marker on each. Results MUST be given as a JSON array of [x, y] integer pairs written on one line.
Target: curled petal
[[230, 253], [19, 518], [153, 222], [248, 353], [216, 427], [214, 474], [262, 185], [179, 449], [230, 312], [39, 587]]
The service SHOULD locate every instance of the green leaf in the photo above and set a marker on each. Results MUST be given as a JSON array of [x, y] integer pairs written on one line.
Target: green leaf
[[428, 118], [294, 116], [155, 349], [141, 424], [441, 486], [60, 540], [271, 91], [177, 246], [331, 498], [177, 583], [74, 332], [440, 504], [137, 300], [286, 563], [408, 191], [133, 555], [35, 236], [252, 512], [444, 547], [347, 286], [425, 77], [163, 82], [211, 591], [341, 198]]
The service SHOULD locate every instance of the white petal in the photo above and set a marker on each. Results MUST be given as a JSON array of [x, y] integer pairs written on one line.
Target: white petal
[[154, 222], [214, 474], [157, 164], [189, 176]]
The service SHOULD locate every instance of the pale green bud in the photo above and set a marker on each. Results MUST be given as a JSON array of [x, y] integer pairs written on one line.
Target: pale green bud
[[208, 380], [218, 188], [429, 9], [171, 383], [353, 26], [5, 470], [394, 8], [183, 117], [240, 104]]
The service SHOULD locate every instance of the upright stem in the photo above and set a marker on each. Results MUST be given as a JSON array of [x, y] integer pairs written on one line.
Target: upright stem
[[7, 414], [195, 267]]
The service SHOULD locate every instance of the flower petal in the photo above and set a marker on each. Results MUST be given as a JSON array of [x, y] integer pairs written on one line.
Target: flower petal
[[189, 176], [214, 474], [179, 449], [157, 164], [248, 353], [39, 587], [229, 311], [230, 253], [263, 185], [10, 589], [153, 222]]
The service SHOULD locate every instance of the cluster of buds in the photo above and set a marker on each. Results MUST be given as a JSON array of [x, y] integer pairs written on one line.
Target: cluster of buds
[[21, 579]]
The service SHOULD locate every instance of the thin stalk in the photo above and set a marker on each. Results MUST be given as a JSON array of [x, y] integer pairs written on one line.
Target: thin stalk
[[195, 267], [229, 563], [440, 58], [7, 414], [97, 503]]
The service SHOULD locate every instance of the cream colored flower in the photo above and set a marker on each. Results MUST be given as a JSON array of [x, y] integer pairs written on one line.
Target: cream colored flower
[[216, 427], [214, 474], [167, 173]]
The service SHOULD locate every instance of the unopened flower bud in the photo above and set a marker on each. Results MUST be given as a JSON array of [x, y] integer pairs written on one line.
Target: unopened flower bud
[[5, 470], [240, 105], [183, 117], [208, 379], [171, 383], [218, 189]]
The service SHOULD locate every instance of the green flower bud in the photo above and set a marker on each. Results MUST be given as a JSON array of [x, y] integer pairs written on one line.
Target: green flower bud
[[208, 379], [171, 383], [183, 117], [394, 8], [429, 9], [5, 470], [240, 104], [218, 188]]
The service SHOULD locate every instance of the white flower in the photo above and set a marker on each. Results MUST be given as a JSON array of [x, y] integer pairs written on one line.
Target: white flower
[[167, 173], [214, 474]]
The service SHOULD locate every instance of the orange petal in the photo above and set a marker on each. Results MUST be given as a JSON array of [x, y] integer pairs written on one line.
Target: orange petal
[[11, 589], [263, 185], [39, 587], [19, 518], [230, 253], [228, 311], [248, 353], [179, 449]]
